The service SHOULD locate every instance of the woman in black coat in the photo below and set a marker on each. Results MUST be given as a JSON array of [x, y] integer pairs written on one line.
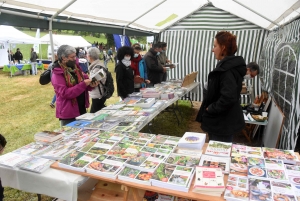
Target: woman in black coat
[[221, 115], [124, 72]]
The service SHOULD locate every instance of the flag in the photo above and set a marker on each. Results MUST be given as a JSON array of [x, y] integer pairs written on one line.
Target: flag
[[121, 40]]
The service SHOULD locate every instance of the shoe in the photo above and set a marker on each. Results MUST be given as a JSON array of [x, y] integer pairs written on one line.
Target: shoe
[[52, 105]]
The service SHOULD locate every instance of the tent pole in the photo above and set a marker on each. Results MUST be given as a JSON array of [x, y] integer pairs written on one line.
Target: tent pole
[[50, 25], [273, 22]]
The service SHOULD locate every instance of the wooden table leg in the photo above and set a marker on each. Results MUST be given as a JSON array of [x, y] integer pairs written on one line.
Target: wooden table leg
[[124, 188]]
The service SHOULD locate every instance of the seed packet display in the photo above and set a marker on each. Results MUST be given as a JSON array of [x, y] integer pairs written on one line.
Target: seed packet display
[[173, 177], [238, 165], [282, 191], [215, 162], [260, 189], [107, 166], [237, 188]]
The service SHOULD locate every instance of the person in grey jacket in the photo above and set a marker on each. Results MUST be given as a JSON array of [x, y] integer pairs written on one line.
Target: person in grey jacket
[[96, 67], [33, 62]]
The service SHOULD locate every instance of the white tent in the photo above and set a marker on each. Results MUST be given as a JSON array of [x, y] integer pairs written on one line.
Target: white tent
[[58, 40], [10, 35]]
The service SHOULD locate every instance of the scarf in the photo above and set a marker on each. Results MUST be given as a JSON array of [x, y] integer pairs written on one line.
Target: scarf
[[70, 80], [135, 64], [126, 63]]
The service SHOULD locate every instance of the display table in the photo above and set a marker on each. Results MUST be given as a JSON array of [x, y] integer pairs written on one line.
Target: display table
[[52, 182], [14, 68], [135, 188]]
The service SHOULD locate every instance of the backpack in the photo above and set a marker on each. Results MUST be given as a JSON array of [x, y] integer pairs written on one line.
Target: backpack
[[45, 77], [108, 87]]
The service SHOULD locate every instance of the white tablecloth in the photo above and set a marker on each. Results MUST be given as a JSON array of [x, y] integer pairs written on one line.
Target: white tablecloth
[[54, 183]]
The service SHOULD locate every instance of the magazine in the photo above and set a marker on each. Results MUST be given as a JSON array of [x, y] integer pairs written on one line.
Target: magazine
[[259, 189], [218, 148], [292, 170], [237, 188], [215, 162], [173, 177], [35, 164], [12, 159], [106, 166]]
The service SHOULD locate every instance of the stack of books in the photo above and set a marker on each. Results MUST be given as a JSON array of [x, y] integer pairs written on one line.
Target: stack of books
[[36, 164], [191, 140], [209, 181], [145, 102], [12, 159]]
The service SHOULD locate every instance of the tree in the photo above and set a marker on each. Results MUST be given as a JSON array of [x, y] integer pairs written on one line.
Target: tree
[[110, 40]]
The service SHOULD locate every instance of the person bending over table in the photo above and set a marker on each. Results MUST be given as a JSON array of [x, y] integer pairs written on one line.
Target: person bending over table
[[221, 115], [124, 72], [71, 86]]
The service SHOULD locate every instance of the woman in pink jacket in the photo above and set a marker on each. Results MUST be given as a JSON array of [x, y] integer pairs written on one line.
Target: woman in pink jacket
[[71, 86]]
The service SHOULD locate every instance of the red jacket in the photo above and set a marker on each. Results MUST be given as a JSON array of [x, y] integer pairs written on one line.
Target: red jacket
[[135, 65]]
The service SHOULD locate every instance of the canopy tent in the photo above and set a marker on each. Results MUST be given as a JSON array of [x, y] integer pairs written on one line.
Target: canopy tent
[[58, 40], [139, 17], [11, 35]]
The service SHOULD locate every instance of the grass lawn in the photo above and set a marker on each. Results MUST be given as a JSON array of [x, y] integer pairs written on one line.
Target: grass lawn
[[25, 111]]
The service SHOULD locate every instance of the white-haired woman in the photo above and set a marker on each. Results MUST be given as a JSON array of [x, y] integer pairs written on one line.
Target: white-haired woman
[[96, 67], [71, 86]]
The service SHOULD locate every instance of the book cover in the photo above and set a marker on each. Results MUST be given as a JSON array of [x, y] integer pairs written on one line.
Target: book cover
[[100, 117], [95, 125], [76, 160], [86, 116], [109, 135], [292, 170], [67, 131], [109, 112], [256, 167], [192, 140], [124, 150], [48, 136], [145, 161], [288, 156], [100, 147], [209, 178], [79, 123], [135, 175], [145, 136], [145, 102], [190, 152], [242, 150], [36, 164], [215, 162], [260, 189], [183, 160], [106, 126], [239, 165], [107, 166], [218, 148], [59, 150], [12, 159], [282, 191], [33, 149], [237, 188], [173, 177]]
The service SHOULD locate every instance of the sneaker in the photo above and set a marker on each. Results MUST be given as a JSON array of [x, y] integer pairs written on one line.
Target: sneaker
[[52, 105]]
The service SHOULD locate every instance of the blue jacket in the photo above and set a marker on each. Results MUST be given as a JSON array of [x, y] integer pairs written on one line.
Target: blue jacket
[[143, 71]]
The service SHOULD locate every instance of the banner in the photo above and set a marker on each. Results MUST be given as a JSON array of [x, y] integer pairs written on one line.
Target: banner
[[121, 40], [36, 47]]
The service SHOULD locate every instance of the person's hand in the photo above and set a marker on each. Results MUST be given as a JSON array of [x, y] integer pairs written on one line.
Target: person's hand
[[87, 82], [172, 66], [168, 61], [164, 69], [94, 84], [207, 109], [147, 81]]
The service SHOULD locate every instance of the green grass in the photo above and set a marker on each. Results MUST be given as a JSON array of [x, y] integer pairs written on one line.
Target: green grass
[[25, 111]]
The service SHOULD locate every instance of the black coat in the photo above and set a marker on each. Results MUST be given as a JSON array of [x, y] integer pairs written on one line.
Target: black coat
[[224, 115], [125, 80], [18, 56], [154, 68]]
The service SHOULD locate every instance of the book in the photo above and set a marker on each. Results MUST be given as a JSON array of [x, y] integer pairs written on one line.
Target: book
[[237, 188], [79, 124], [256, 167], [215, 162], [192, 140], [282, 190], [142, 136], [86, 116], [163, 197], [47, 136], [12, 159], [183, 160], [288, 156], [76, 160], [145, 161], [173, 177], [106, 126], [218, 148], [109, 135], [239, 165], [95, 125], [167, 95], [259, 189], [100, 117], [36, 164], [238, 150], [145, 102], [33, 149], [109, 112], [67, 131], [59, 150], [124, 150], [106, 166], [190, 152], [100, 147], [84, 135], [135, 175], [130, 101], [209, 181], [159, 148], [114, 107], [292, 170]]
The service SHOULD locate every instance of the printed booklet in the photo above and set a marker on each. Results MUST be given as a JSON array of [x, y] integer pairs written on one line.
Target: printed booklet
[[217, 148]]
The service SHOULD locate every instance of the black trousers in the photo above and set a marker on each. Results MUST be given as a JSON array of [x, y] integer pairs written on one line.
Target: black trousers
[[1, 191], [97, 104], [64, 122], [221, 138]]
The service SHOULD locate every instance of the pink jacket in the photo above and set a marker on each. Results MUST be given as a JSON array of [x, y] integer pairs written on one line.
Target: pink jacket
[[64, 95]]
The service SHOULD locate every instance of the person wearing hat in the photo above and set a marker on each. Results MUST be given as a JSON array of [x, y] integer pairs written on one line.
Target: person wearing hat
[[18, 56]]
